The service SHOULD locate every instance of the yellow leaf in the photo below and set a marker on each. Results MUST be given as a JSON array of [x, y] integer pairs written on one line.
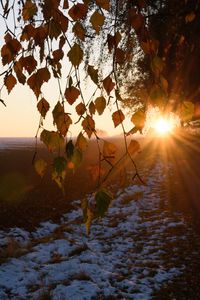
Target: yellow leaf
[[53, 29], [80, 109], [84, 206], [10, 81], [197, 110], [96, 172], [157, 64], [92, 108], [93, 74], [119, 56], [61, 119], [100, 104], [78, 11], [29, 10], [105, 4], [77, 157], [81, 142], [43, 75], [136, 19], [28, 63], [79, 31], [63, 123], [157, 96], [190, 17], [113, 41], [138, 119], [65, 4], [186, 111], [109, 149], [133, 147], [71, 94], [75, 55], [43, 107], [40, 167], [108, 84], [58, 177], [88, 125], [150, 46], [58, 109], [58, 54], [90, 216], [53, 140], [97, 21], [164, 83], [118, 117]]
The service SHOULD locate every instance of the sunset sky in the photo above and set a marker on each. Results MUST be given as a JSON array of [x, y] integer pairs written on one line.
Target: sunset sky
[[20, 118]]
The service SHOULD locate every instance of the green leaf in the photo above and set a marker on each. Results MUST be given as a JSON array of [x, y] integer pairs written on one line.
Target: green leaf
[[100, 104], [59, 164], [103, 199], [69, 149]]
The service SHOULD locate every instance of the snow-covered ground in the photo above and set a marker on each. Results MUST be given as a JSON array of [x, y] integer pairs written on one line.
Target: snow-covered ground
[[123, 258]]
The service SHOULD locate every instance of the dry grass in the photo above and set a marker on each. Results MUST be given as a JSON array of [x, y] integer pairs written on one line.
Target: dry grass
[[12, 249]]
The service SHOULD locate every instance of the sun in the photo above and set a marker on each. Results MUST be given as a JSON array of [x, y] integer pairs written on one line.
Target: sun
[[163, 126], [159, 123]]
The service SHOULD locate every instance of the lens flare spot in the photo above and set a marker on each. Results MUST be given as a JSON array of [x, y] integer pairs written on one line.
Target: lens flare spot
[[163, 126]]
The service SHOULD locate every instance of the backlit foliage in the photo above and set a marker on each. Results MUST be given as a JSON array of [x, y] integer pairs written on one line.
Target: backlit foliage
[[100, 40]]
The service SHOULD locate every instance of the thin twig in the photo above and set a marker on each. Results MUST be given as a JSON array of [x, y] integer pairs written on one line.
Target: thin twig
[[2, 102]]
